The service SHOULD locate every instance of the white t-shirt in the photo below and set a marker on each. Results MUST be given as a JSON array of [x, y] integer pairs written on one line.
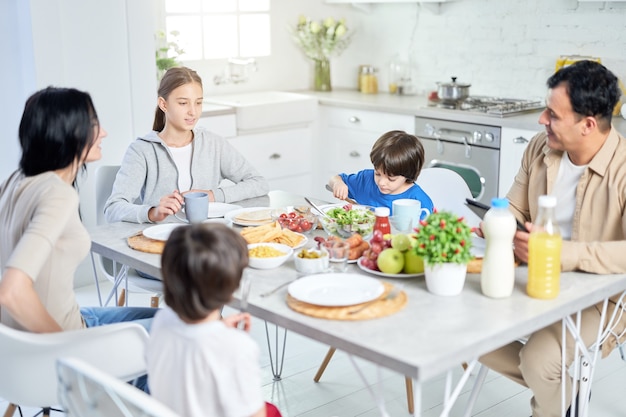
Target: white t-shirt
[[182, 160], [205, 369], [565, 192]]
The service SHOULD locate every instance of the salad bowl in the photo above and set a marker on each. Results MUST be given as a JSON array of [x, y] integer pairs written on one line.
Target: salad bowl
[[344, 220]]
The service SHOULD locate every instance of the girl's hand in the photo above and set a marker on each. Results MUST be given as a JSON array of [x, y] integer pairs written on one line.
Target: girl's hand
[[234, 320], [209, 192], [168, 205]]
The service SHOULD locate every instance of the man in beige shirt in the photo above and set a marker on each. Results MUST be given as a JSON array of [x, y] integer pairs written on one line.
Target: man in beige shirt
[[581, 159]]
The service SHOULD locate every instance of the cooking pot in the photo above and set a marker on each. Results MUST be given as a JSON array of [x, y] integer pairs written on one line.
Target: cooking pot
[[453, 91]]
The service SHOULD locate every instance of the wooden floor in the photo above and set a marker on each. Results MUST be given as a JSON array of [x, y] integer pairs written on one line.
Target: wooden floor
[[342, 393]]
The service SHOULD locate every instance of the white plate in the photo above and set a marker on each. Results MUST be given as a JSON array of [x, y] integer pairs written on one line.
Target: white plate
[[220, 209], [160, 231], [234, 213], [382, 274], [336, 290]]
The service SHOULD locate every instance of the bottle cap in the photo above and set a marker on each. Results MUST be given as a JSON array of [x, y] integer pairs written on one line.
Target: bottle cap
[[381, 211], [547, 201], [499, 202]]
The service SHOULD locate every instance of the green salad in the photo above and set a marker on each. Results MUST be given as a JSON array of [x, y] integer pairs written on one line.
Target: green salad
[[349, 220]]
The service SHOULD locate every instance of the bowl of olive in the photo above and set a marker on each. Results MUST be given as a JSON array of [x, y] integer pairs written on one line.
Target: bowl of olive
[[311, 261]]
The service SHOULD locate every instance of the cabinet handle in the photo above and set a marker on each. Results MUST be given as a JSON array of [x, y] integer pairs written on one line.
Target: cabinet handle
[[520, 139], [275, 156], [354, 119], [355, 154]]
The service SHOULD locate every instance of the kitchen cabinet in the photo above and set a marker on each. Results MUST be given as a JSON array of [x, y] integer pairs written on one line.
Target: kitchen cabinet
[[347, 138], [283, 157], [512, 146]]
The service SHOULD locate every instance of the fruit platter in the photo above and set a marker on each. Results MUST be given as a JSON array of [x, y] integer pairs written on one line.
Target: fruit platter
[[391, 256]]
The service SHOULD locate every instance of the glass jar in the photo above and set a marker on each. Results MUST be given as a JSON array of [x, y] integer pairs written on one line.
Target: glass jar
[[368, 79]]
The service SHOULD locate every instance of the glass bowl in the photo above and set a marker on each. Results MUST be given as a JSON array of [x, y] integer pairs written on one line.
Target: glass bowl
[[342, 225], [298, 219]]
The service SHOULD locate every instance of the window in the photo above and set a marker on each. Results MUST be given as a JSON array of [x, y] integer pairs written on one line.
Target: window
[[218, 29]]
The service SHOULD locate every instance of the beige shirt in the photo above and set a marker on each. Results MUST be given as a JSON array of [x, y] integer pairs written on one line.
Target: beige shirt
[[598, 241], [42, 235]]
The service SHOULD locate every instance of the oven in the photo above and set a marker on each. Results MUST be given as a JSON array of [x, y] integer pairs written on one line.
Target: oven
[[471, 150]]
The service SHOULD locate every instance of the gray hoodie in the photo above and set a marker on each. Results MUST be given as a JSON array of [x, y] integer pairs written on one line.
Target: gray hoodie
[[148, 173]]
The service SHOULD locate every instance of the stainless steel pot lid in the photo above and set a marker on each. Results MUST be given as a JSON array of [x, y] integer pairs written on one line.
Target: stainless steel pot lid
[[454, 84]]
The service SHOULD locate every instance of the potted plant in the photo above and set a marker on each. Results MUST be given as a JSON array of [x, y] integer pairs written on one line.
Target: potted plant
[[167, 52], [444, 240]]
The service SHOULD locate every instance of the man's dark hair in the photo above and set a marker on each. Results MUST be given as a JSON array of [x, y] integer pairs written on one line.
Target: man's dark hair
[[593, 90]]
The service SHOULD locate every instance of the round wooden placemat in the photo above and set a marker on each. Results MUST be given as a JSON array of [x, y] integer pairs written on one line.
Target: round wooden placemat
[[380, 308], [141, 243]]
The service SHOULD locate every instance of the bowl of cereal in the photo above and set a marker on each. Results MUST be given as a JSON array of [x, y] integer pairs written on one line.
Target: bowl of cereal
[[268, 255]]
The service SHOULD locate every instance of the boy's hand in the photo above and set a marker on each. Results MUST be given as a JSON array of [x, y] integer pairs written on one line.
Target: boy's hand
[[234, 320]]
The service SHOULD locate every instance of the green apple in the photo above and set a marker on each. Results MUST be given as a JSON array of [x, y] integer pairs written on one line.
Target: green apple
[[413, 263], [400, 242], [390, 261]]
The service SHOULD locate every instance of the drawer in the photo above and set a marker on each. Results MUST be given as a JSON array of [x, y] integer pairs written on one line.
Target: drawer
[[371, 121], [277, 154], [224, 125], [350, 150]]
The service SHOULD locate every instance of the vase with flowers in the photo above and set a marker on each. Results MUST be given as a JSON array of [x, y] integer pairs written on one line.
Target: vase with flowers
[[444, 241], [320, 40]]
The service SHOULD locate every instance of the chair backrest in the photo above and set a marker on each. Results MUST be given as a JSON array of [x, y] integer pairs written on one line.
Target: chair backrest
[[448, 191], [85, 390], [105, 177], [28, 360]]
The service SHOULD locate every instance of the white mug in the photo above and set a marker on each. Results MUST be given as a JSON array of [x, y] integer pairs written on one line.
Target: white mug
[[407, 207]]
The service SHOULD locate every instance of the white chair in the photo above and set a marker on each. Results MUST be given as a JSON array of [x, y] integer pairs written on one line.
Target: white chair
[[28, 360], [105, 176], [85, 390], [448, 191]]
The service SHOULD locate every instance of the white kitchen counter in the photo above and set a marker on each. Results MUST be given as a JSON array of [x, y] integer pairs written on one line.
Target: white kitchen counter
[[418, 106], [209, 109]]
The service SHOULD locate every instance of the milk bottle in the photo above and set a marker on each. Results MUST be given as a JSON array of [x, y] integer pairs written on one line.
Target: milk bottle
[[498, 271]]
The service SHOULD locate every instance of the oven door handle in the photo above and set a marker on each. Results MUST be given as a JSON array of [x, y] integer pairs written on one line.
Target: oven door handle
[[450, 133]]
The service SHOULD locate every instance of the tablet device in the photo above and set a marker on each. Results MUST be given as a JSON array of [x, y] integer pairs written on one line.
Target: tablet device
[[480, 209]]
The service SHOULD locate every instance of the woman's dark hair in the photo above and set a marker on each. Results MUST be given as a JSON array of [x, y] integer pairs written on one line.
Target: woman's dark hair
[[398, 153], [202, 266], [173, 78], [56, 130], [593, 90]]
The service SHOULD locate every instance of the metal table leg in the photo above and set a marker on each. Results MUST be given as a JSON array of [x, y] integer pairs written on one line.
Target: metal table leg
[[277, 369]]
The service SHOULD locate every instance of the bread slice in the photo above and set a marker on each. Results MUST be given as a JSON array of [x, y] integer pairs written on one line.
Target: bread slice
[[254, 217]]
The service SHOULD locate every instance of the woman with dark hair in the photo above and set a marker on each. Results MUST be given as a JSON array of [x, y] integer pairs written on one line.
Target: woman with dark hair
[[177, 157], [42, 239]]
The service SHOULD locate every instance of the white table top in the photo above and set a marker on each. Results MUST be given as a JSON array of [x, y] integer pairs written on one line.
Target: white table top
[[429, 336]]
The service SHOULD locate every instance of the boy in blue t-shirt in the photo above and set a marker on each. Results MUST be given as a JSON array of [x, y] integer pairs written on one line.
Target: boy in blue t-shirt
[[398, 158]]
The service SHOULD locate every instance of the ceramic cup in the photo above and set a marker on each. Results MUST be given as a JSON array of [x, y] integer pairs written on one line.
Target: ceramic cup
[[409, 208], [401, 224], [338, 253], [196, 207]]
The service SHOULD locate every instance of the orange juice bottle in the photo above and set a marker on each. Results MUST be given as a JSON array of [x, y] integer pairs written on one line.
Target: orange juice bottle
[[544, 252]]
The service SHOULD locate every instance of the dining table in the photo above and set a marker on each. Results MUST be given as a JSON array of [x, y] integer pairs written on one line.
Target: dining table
[[432, 335]]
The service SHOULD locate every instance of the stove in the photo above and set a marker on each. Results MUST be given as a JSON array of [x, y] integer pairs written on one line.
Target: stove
[[490, 106]]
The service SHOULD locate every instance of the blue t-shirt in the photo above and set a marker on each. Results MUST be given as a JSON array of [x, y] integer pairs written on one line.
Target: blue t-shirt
[[363, 189]]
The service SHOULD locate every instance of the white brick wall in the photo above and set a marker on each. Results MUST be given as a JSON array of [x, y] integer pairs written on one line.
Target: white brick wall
[[501, 47]]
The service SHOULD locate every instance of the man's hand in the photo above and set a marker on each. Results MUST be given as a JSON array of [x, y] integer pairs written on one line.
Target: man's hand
[[168, 205], [520, 243]]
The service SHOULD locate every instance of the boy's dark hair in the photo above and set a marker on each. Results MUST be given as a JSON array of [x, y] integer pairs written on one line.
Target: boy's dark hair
[[202, 266], [58, 126], [398, 153], [593, 90]]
